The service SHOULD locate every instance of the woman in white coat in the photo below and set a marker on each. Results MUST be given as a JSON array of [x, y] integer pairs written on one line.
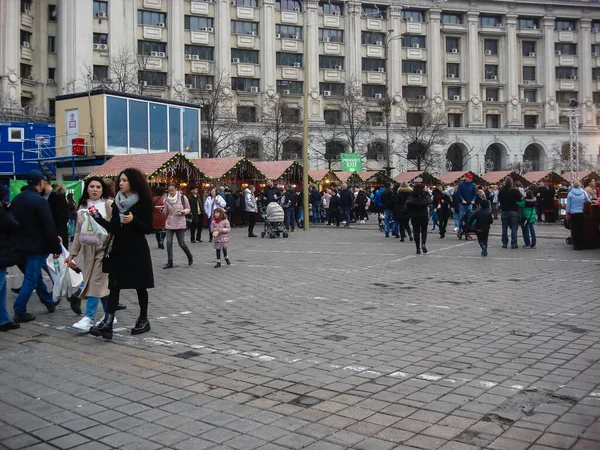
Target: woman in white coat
[[212, 202]]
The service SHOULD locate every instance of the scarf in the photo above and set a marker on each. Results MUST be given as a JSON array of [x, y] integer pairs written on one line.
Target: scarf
[[124, 204], [216, 219], [173, 200]]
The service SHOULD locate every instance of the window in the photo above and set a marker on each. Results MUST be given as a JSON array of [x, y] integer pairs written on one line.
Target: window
[[596, 98], [100, 38], [596, 51], [26, 37], [333, 150], [331, 35], [288, 5], [453, 91], [100, 6], [295, 87], [530, 122], [410, 41], [410, 15], [453, 70], [330, 62], [116, 125], [288, 59], [492, 95], [414, 119], [203, 53], [566, 73], [374, 11], [100, 73], [199, 23], [596, 26], [565, 49], [16, 134], [329, 8], [153, 78], [492, 121], [290, 115], [245, 56], [565, 25], [151, 18], [491, 72], [452, 45], [490, 46], [251, 149], [452, 18], [563, 97], [249, 3], [490, 21], [291, 150], [371, 90], [528, 23], [454, 120], [52, 107], [289, 31], [26, 6], [414, 67], [375, 118], [25, 71], [244, 84], [146, 48], [51, 44], [529, 73], [51, 73], [373, 64], [336, 89], [138, 127], [596, 74], [246, 113], [530, 95], [52, 13], [376, 150], [528, 48], [242, 27], [332, 117], [199, 81], [414, 92], [370, 38]]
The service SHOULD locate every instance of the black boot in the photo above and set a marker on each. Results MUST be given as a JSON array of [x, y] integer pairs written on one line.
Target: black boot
[[227, 261], [75, 302], [105, 329], [169, 265], [410, 237], [142, 325], [190, 259], [218, 264]]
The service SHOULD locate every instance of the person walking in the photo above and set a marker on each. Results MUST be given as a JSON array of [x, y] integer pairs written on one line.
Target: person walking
[[57, 200], [89, 257], [387, 203], [130, 263], [361, 202], [220, 229], [576, 200], [212, 202], [288, 201], [251, 209], [467, 194], [508, 197], [346, 202], [315, 202], [528, 206], [176, 208], [444, 209], [159, 220], [401, 213], [195, 202], [36, 238], [8, 257], [417, 206], [481, 221]]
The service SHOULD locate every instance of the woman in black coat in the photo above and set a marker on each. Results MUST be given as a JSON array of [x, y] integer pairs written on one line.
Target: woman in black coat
[[400, 212], [418, 211], [130, 263], [57, 200], [8, 257]]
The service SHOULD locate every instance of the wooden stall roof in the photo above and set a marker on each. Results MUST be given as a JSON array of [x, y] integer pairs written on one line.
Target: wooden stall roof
[[149, 164], [498, 177], [453, 177], [317, 176], [536, 177], [274, 170], [373, 176], [344, 176], [585, 176], [407, 177], [216, 167]]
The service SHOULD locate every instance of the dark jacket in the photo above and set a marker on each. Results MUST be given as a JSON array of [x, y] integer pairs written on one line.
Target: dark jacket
[[334, 202], [467, 191], [59, 208], [418, 205], [196, 208], [387, 200], [315, 197], [508, 198], [482, 219], [547, 195], [37, 234], [361, 199], [271, 194], [399, 205], [130, 255], [346, 198], [444, 204], [8, 228], [290, 198]]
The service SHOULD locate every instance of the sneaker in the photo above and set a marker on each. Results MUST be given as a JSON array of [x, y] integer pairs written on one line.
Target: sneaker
[[455, 229], [532, 247], [84, 324], [526, 246], [100, 321]]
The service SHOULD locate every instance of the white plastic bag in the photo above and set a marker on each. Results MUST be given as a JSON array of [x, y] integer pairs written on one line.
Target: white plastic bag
[[62, 288], [91, 232], [58, 265]]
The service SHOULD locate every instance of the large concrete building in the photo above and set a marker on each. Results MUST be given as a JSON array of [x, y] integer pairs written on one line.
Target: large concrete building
[[502, 71]]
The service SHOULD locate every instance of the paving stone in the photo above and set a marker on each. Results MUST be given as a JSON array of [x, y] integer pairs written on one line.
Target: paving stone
[[20, 441], [69, 441]]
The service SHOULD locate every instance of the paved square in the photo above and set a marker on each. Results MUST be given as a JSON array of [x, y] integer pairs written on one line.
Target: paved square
[[332, 339]]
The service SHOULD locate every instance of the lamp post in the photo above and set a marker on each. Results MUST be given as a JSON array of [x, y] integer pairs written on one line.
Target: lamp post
[[573, 114], [305, 92]]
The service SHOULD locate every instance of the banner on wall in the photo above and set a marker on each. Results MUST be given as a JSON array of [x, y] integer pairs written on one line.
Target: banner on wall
[[76, 187], [351, 162]]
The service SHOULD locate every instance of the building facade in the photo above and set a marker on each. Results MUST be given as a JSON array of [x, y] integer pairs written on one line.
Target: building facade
[[502, 71]]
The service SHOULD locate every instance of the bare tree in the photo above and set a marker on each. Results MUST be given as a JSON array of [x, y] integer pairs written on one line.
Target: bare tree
[[281, 124], [354, 125], [559, 158], [423, 135], [327, 144]]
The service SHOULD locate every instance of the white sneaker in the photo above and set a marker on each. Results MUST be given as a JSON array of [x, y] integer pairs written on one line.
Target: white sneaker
[[84, 324], [102, 318], [362, 221], [455, 229], [343, 222]]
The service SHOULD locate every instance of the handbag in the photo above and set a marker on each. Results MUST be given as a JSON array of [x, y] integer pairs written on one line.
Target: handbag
[[107, 262], [188, 217], [567, 223]]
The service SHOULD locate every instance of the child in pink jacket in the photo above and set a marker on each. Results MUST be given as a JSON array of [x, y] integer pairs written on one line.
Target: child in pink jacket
[[220, 229]]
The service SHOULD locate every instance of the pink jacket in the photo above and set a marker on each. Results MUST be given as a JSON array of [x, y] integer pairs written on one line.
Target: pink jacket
[[224, 229], [176, 220]]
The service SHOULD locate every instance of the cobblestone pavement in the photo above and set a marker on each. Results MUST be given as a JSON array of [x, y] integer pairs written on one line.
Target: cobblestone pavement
[[333, 339]]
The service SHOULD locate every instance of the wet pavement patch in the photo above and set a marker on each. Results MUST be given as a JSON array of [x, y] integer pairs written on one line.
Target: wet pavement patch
[[187, 355], [306, 401], [369, 308], [412, 321], [474, 438], [336, 338]]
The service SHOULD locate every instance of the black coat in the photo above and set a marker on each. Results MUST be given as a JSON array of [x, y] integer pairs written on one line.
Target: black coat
[[418, 205], [197, 213], [387, 198], [8, 229], [130, 254], [346, 198], [59, 207], [37, 234], [334, 202], [399, 205]]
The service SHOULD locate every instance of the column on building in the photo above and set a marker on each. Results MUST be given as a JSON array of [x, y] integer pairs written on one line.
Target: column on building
[[267, 50], [175, 67], [585, 75], [549, 78], [394, 62], [311, 76], [122, 22], [434, 56], [475, 109], [9, 51], [513, 106], [353, 48], [222, 42]]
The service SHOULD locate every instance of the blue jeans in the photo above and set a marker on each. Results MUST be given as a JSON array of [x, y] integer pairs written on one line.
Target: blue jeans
[[395, 228], [316, 213], [33, 280], [388, 216], [510, 219], [456, 219], [527, 231], [92, 306], [300, 214], [4, 316], [462, 211], [327, 215], [289, 218], [346, 215]]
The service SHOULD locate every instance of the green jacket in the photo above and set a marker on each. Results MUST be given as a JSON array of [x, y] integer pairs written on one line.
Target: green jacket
[[528, 210]]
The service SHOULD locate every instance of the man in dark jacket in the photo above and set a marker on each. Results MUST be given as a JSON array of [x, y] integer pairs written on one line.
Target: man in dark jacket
[[315, 201], [387, 201], [508, 197], [8, 257], [197, 216], [37, 238], [467, 194], [271, 194], [346, 202], [288, 201]]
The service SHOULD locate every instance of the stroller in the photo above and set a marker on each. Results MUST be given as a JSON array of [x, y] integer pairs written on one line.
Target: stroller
[[273, 218], [466, 227]]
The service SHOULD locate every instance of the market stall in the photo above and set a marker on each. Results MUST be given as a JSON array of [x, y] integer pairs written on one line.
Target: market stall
[[281, 172], [498, 177], [373, 178], [233, 172], [410, 177], [546, 177], [323, 178], [584, 176], [449, 178]]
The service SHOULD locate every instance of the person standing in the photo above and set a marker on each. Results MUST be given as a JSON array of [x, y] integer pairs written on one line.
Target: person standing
[[288, 201], [481, 221], [315, 202], [251, 209], [528, 219], [346, 202], [591, 190], [576, 200], [159, 220], [271, 194], [220, 229], [334, 208], [400, 211], [57, 200], [361, 205], [387, 200], [467, 195], [176, 208], [509, 196], [326, 198], [197, 216], [444, 209], [548, 194], [130, 263], [36, 238], [8, 257], [417, 206], [212, 202]]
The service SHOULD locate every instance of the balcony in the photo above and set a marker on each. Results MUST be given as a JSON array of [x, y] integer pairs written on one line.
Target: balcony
[[246, 41], [332, 48], [454, 27], [200, 8], [152, 4], [26, 53], [243, 70], [333, 75], [26, 20], [372, 24], [290, 73], [201, 67], [567, 60], [246, 13], [568, 85], [566, 36], [152, 33], [375, 51], [415, 53], [330, 21], [369, 77], [413, 79], [202, 37], [414, 27], [290, 17], [290, 45]]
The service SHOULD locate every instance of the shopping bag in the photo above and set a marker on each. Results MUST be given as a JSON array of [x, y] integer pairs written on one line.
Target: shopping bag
[[63, 288], [58, 265], [91, 232]]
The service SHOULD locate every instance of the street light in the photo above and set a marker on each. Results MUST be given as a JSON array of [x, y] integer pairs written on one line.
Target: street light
[[306, 220]]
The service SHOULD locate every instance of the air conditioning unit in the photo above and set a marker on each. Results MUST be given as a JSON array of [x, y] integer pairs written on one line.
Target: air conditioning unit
[[420, 72], [336, 13], [573, 77], [422, 97], [278, 36], [338, 67], [28, 12], [326, 93], [297, 64], [211, 30], [31, 78], [379, 43], [103, 47], [532, 54], [451, 75], [189, 86], [196, 57], [208, 87], [154, 54], [101, 14], [495, 77], [490, 99], [488, 52], [558, 53], [570, 29], [525, 100], [499, 25], [96, 46], [26, 44], [380, 157], [416, 45], [188, 56], [254, 89], [410, 19], [295, 36], [160, 24], [296, 9], [381, 69], [454, 50], [235, 60], [251, 33], [456, 97], [378, 95], [204, 29], [326, 39], [51, 81], [286, 92], [143, 83], [162, 55], [379, 124], [533, 27], [528, 81]]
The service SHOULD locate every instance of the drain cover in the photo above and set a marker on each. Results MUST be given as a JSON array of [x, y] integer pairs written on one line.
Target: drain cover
[[306, 401], [187, 355]]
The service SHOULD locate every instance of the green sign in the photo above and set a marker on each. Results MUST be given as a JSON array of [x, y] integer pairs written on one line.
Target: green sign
[[351, 162], [76, 187]]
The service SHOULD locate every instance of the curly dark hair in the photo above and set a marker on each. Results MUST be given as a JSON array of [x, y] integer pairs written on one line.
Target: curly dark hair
[[138, 183], [85, 197]]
